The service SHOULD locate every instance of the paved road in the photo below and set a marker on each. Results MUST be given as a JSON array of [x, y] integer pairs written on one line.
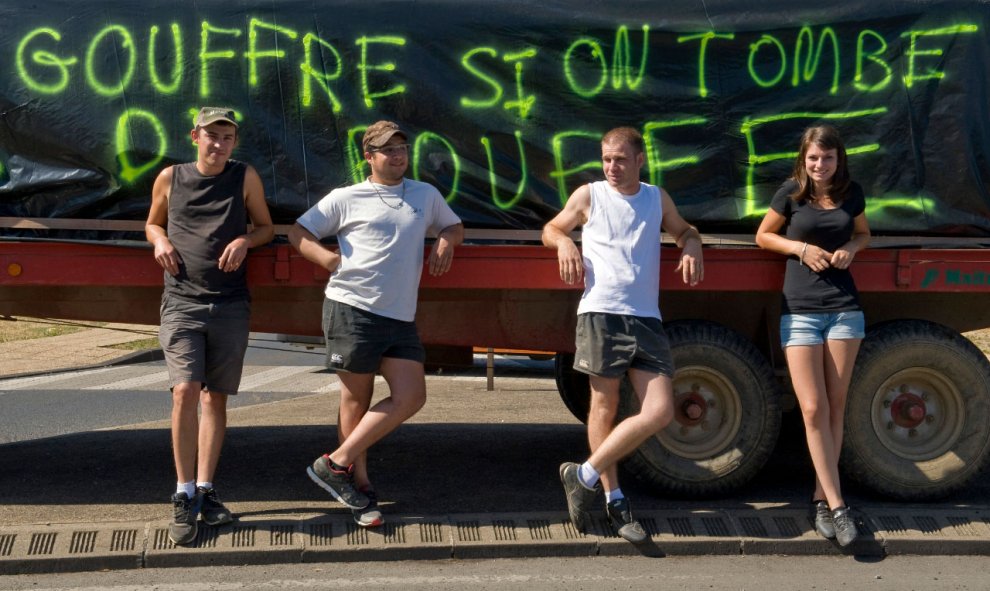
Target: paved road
[[473, 463], [704, 573], [107, 430], [106, 397], [505, 444]]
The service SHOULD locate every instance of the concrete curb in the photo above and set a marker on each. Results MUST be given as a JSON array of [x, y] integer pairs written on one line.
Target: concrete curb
[[887, 530]]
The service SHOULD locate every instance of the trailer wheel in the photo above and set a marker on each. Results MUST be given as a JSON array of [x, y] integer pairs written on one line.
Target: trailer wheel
[[916, 420], [727, 415], [572, 386]]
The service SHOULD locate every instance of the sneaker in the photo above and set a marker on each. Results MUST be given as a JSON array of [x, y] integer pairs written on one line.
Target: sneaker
[[845, 527], [823, 519], [370, 516], [339, 483], [619, 515], [580, 498], [211, 508], [182, 530]]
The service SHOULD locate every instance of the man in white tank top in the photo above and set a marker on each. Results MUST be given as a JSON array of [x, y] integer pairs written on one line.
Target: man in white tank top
[[619, 331]]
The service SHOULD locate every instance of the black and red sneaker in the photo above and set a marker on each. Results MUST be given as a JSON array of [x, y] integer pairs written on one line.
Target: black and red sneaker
[[338, 481], [370, 516]]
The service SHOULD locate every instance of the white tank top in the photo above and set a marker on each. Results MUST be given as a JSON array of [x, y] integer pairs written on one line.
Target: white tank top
[[621, 249]]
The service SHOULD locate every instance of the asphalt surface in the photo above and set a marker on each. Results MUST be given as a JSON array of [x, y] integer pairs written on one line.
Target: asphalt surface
[[474, 475]]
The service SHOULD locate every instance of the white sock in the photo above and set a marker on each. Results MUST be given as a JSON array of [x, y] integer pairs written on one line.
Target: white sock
[[186, 487], [206, 485], [614, 495], [588, 475]]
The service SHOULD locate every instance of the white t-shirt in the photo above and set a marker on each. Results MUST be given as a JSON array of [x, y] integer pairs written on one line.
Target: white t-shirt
[[620, 244], [380, 230]]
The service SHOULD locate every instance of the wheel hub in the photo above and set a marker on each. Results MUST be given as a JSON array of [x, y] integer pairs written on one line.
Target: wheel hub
[[690, 408], [908, 410], [707, 413], [918, 414]]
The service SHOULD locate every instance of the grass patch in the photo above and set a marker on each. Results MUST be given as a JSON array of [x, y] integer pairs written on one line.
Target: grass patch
[[23, 329], [140, 345]]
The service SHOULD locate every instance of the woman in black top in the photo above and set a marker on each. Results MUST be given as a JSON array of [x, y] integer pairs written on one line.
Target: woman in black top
[[817, 219]]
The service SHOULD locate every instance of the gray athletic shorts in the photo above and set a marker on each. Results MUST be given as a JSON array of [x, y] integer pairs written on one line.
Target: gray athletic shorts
[[205, 342], [357, 339], [610, 344]]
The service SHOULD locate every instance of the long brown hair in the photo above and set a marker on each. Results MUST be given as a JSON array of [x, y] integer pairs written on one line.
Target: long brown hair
[[825, 137]]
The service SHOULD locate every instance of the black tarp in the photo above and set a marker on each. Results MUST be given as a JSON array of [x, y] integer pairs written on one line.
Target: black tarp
[[505, 100]]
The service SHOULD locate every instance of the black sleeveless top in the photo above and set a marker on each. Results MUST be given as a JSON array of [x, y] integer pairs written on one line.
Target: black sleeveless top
[[206, 213]]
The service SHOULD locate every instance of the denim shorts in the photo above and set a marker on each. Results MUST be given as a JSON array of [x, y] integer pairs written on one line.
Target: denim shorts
[[357, 340], [817, 327]]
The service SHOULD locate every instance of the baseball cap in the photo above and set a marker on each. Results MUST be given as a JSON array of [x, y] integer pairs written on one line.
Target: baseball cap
[[379, 132], [208, 115]]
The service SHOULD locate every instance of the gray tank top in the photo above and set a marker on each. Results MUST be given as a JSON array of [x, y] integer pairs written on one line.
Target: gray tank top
[[206, 213]]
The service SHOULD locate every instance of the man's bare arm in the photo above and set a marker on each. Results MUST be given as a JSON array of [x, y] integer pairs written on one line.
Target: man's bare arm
[[310, 248], [556, 234], [154, 227], [262, 231], [691, 266]]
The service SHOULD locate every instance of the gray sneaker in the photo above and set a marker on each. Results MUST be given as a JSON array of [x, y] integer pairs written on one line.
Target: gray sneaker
[[370, 516], [845, 527], [339, 483], [211, 508], [823, 519], [182, 530], [619, 515], [580, 498]]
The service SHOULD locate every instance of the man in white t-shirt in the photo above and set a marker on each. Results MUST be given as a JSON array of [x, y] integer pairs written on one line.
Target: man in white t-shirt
[[619, 330], [370, 305]]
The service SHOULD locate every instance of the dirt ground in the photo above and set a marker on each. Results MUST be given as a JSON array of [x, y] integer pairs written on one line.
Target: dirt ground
[[981, 338]]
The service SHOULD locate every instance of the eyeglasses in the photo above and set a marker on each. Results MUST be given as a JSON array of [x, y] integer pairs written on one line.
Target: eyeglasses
[[393, 150]]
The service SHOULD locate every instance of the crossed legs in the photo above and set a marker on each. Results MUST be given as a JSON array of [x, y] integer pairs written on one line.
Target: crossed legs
[[821, 375], [362, 425], [612, 442]]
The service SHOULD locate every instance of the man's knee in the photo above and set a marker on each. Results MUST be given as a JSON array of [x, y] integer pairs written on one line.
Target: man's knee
[[186, 394], [661, 415], [658, 409], [414, 401], [213, 401], [602, 411]]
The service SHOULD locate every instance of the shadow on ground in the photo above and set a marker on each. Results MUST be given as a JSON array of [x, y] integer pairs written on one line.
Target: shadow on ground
[[425, 468]]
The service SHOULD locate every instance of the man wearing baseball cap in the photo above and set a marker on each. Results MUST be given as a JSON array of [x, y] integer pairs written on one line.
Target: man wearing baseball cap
[[370, 305], [198, 226]]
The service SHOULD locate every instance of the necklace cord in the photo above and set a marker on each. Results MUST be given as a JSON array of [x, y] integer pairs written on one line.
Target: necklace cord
[[402, 197]]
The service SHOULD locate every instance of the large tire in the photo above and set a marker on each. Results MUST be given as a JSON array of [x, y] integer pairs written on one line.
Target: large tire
[[734, 422], [916, 420], [572, 386], [724, 447]]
